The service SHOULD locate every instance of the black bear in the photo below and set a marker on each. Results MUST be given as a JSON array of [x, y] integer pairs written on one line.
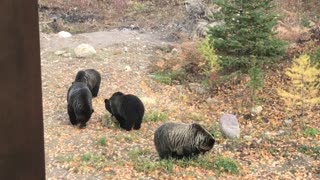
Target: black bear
[[92, 78], [79, 99], [127, 109], [176, 140]]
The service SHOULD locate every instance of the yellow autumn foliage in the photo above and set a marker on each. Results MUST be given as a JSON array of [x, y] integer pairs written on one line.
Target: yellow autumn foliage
[[302, 90]]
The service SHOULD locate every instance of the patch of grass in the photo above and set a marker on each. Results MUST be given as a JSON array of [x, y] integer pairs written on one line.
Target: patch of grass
[[110, 122], [227, 165], [215, 131], [197, 117], [311, 132], [155, 116], [142, 162], [139, 7], [313, 151], [126, 137], [201, 161], [86, 157], [102, 141], [165, 48], [66, 158], [93, 160], [166, 76]]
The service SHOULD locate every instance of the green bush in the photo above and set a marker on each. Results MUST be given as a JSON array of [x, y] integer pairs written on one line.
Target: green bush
[[155, 116], [167, 76], [210, 56], [246, 32]]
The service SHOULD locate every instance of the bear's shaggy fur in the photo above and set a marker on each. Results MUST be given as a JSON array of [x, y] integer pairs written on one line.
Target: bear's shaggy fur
[[176, 140], [79, 100], [127, 109], [92, 78]]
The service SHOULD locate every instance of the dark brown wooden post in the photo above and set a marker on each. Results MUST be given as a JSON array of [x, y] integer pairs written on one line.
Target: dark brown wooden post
[[21, 122]]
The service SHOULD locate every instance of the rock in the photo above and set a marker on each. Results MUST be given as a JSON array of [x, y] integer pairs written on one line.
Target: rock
[[58, 53], [125, 49], [247, 138], [212, 101], [174, 52], [281, 132], [265, 120], [84, 50], [64, 34], [229, 126], [256, 110], [288, 121], [127, 68], [197, 88]]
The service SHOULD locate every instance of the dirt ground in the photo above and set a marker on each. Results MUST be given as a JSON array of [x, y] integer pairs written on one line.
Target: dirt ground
[[125, 57]]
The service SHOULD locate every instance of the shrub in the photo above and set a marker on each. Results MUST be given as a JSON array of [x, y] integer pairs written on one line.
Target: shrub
[[302, 90], [155, 116], [210, 56], [246, 32]]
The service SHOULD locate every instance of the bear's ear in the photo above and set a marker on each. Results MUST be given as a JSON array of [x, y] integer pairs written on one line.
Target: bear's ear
[[106, 100], [118, 93]]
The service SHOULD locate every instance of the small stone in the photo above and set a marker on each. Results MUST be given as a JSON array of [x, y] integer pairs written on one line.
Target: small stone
[[247, 138], [256, 110], [58, 53], [67, 55], [281, 132], [127, 68], [64, 34], [197, 88], [229, 126], [125, 49], [247, 116], [288, 121], [212, 101], [84, 50], [174, 51], [265, 120]]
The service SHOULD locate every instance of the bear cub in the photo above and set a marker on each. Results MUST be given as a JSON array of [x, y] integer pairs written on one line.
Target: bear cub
[[127, 109], [79, 99], [92, 78]]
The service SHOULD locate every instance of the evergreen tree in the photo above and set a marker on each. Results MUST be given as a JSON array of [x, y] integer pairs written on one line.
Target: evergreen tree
[[246, 31]]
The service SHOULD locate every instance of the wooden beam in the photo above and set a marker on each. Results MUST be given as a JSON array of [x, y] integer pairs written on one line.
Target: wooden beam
[[21, 121]]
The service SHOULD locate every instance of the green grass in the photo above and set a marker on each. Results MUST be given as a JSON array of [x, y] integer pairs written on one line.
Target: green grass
[[142, 163], [309, 150], [311, 132], [227, 165], [197, 117], [167, 77], [110, 122], [126, 137], [102, 141], [215, 131], [93, 160], [155, 116]]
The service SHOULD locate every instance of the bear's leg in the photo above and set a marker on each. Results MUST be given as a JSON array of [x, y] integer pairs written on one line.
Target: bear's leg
[[95, 91], [119, 119], [165, 155], [128, 125], [72, 115], [137, 123]]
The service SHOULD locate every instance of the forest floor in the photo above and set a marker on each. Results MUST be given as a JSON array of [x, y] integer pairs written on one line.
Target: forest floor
[[268, 148]]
